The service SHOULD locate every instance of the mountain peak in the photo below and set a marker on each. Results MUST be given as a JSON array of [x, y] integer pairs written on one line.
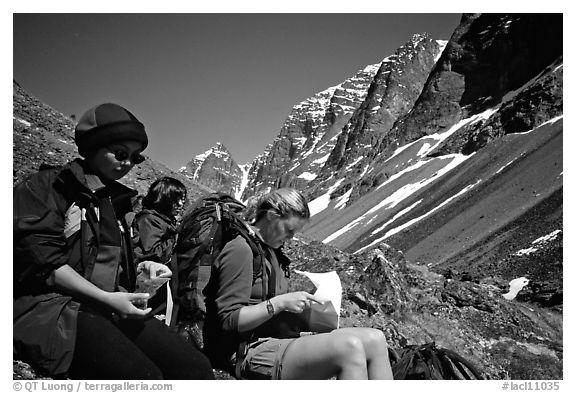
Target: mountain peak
[[418, 37], [215, 168], [218, 150]]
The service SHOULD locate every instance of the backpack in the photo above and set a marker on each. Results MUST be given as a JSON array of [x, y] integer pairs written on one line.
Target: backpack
[[210, 223], [426, 361]]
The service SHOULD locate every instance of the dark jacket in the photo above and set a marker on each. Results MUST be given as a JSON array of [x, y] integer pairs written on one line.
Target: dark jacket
[[58, 219], [154, 236]]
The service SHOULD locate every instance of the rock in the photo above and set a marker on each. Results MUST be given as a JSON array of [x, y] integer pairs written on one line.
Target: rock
[[22, 370]]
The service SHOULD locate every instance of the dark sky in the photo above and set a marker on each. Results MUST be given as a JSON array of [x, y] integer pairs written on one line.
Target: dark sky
[[198, 79]]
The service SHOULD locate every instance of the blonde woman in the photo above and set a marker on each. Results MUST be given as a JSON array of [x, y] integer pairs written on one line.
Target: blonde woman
[[236, 313]]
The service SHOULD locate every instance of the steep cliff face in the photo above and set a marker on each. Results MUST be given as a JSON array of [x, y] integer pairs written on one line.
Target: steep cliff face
[[215, 169], [499, 74], [488, 57], [309, 135], [392, 94], [338, 126]]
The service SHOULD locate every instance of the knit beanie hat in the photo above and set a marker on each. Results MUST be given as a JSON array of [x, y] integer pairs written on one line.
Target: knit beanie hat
[[105, 124]]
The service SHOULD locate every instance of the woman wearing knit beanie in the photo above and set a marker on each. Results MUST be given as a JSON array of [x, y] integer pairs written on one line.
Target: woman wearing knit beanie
[[75, 312]]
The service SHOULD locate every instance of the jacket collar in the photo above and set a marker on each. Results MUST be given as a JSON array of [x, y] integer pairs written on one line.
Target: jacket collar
[[73, 184], [157, 214]]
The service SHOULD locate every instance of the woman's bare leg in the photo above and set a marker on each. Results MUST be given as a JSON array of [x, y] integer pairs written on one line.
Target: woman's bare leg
[[323, 356], [376, 349]]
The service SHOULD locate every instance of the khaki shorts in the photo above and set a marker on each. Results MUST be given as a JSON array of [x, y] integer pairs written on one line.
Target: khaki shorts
[[264, 358]]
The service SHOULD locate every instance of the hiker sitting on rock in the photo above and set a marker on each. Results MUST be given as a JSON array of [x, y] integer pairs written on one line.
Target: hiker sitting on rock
[[154, 227], [246, 334], [74, 313]]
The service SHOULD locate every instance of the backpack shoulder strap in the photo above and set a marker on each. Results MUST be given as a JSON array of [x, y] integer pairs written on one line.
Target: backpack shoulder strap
[[257, 258], [257, 266]]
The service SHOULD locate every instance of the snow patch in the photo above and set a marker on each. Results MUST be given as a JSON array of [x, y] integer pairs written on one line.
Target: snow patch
[[244, 182], [321, 160], [442, 44], [398, 215], [440, 137], [423, 150], [551, 121], [296, 165], [515, 286], [343, 200], [403, 172], [415, 220], [307, 176], [343, 230], [538, 243], [356, 161], [322, 202], [402, 193], [27, 124], [501, 169]]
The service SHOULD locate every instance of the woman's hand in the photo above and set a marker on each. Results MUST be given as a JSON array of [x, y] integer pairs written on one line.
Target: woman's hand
[[123, 304], [154, 269], [294, 302], [254, 315]]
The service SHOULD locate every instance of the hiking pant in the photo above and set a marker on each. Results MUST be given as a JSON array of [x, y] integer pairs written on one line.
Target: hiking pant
[[133, 349]]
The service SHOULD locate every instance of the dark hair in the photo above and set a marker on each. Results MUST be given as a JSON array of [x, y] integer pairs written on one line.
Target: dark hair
[[163, 194]]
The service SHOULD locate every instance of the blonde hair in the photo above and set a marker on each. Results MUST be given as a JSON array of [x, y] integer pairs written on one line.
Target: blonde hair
[[285, 202]]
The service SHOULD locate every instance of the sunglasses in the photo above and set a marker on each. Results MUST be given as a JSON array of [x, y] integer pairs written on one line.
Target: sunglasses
[[122, 155]]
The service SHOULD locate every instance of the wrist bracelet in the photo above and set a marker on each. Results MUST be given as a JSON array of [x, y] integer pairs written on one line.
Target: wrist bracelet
[[269, 308]]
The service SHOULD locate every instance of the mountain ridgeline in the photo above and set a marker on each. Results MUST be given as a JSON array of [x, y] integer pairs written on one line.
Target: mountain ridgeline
[[435, 178], [449, 151]]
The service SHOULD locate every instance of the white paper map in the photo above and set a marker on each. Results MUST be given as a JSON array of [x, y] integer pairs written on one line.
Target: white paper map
[[325, 317]]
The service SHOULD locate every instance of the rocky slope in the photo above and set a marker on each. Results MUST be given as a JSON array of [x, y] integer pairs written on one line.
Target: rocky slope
[[505, 339]]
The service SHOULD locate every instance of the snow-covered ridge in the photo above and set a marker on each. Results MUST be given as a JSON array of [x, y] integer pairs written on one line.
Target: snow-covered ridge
[[244, 182], [353, 90], [218, 150]]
